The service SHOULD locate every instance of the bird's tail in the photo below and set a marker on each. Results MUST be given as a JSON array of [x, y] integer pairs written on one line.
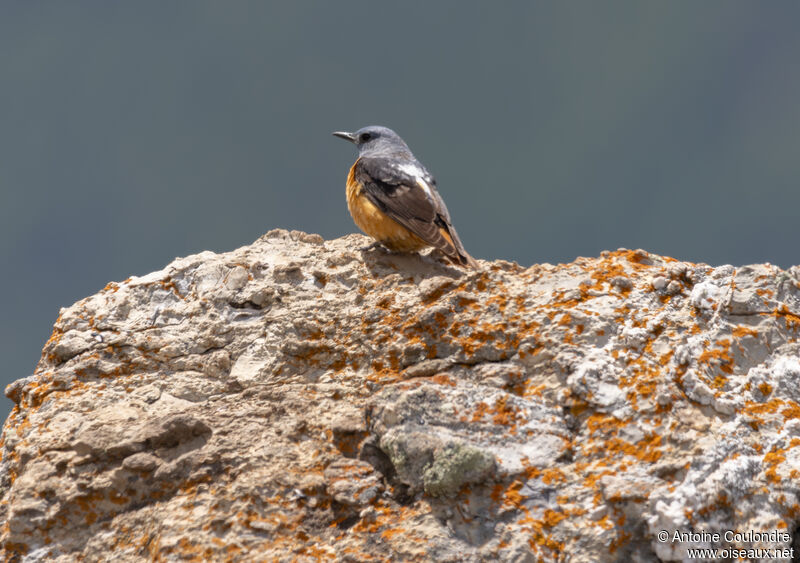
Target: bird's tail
[[462, 258], [454, 249]]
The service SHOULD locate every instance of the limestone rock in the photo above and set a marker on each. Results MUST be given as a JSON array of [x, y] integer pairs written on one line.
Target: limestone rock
[[301, 399]]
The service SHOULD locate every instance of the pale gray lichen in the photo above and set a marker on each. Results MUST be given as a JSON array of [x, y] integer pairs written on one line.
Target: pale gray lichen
[[454, 466]]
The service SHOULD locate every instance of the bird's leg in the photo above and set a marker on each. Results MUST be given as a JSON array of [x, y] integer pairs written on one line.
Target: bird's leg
[[438, 257], [375, 245]]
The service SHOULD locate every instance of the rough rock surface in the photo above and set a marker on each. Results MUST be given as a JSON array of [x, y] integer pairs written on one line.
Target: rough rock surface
[[300, 399]]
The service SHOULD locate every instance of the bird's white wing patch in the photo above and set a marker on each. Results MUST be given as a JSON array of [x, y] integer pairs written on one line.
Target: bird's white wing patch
[[418, 174], [426, 188]]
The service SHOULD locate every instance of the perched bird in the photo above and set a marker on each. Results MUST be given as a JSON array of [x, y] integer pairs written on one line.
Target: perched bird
[[393, 198]]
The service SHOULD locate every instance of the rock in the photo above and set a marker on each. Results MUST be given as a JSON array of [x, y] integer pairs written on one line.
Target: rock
[[141, 462], [299, 399], [353, 482], [659, 283]]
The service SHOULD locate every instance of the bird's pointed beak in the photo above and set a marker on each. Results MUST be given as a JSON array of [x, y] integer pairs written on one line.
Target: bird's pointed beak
[[345, 135]]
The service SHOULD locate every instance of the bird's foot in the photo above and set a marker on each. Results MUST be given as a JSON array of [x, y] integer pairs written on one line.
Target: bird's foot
[[439, 258], [374, 246]]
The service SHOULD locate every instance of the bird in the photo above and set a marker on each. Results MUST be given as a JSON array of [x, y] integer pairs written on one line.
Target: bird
[[393, 198]]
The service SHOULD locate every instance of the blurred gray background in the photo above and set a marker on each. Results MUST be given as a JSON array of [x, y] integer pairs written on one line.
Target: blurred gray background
[[132, 133]]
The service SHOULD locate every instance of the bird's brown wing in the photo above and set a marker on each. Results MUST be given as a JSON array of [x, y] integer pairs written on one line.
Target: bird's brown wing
[[406, 192]]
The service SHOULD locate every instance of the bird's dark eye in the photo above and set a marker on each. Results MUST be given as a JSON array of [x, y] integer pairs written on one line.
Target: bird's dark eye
[[365, 137]]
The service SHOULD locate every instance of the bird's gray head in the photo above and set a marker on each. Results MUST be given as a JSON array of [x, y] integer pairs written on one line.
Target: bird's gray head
[[375, 140]]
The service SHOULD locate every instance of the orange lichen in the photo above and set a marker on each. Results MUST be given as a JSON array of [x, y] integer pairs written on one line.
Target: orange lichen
[[792, 319], [480, 410], [742, 331], [553, 476], [443, 379], [719, 357], [791, 411], [765, 388], [770, 407], [773, 460], [505, 414]]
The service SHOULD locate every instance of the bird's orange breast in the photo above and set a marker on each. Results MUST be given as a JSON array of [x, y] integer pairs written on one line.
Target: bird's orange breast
[[375, 222]]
